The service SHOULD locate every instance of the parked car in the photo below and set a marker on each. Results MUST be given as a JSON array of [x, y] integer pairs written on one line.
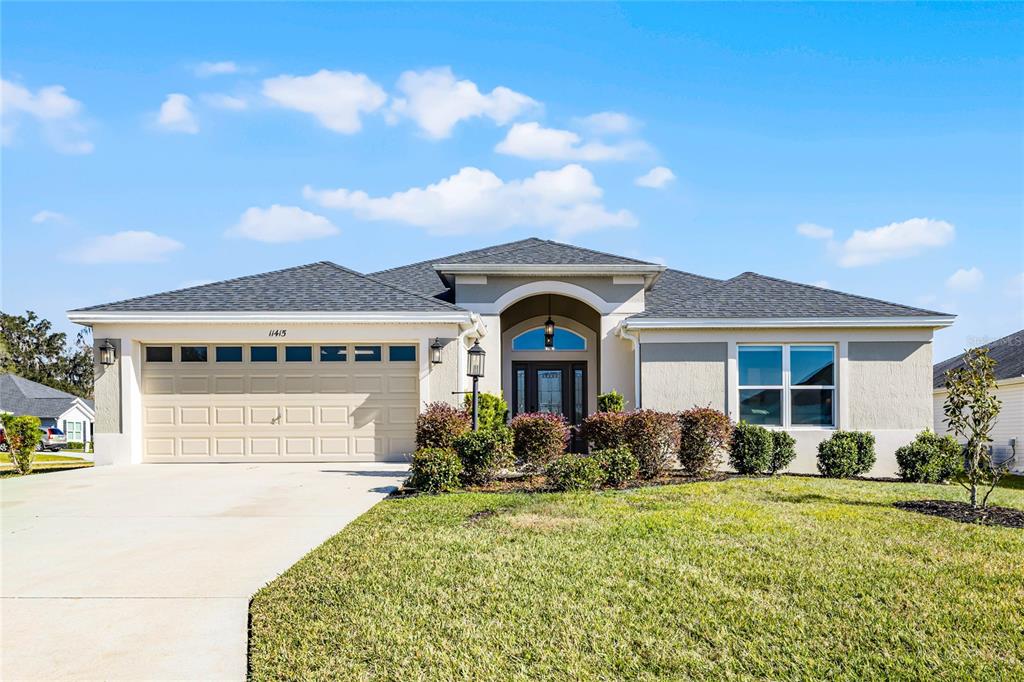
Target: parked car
[[53, 440]]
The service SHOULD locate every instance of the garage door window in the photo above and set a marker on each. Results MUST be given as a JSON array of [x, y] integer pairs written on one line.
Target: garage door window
[[158, 353], [229, 354], [298, 353], [402, 353], [333, 353], [263, 354], [193, 353], [367, 353]]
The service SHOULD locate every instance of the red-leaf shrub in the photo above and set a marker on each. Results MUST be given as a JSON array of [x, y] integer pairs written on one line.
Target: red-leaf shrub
[[539, 438], [604, 430], [652, 437], [703, 436], [439, 425]]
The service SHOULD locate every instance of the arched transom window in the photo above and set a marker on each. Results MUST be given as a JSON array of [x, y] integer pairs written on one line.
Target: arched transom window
[[534, 340]]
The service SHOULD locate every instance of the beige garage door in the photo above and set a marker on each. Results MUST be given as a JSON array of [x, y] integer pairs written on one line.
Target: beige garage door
[[299, 402]]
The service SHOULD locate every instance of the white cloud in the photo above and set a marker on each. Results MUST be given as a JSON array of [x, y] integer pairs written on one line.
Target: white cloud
[[131, 246], [45, 216], [894, 241], [176, 115], [656, 178], [607, 123], [219, 100], [1015, 286], [281, 224], [566, 200], [337, 99], [531, 141], [965, 279], [207, 69], [813, 231], [822, 283], [189, 283], [437, 102], [56, 113]]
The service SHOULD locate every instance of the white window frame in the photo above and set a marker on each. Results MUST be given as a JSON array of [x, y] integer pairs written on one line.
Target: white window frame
[[786, 387]]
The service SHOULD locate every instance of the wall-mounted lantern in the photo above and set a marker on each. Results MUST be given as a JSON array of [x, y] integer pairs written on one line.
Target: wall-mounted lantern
[[107, 353], [549, 329], [435, 352]]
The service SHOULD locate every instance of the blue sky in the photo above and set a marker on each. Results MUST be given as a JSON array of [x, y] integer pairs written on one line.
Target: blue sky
[[872, 149]]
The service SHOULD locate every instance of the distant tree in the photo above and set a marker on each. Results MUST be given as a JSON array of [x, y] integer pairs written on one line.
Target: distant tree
[[30, 349], [971, 409]]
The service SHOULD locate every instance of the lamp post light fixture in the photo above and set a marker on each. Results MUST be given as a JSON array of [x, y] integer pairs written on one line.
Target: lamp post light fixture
[[107, 353], [435, 352], [475, 369]]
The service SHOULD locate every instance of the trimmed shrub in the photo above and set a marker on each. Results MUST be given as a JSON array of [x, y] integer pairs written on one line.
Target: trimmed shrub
[[439, 425], [612, 401], [930, 458], [23, 436], [492, 409], [538, 438], [652, 437], [435, 470], [620, 466], [704, 433], [604, 430], [750, 451], [846, 453], [783, 451], [483, 453], [575, 472]]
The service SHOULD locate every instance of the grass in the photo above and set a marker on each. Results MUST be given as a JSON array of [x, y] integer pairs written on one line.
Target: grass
[[44, 464], [786, 578]]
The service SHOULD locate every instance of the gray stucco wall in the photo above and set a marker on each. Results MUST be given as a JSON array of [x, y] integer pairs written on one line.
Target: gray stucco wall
[[496, 286], [107, 391], [890, 384], [678, 376], [443, 379]]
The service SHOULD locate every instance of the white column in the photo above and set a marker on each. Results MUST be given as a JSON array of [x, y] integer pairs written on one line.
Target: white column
[[732, 383], [843, 416], [618, 361], [494, 367]]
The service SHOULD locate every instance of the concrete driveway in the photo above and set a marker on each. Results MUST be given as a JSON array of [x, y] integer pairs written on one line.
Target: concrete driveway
[[145, 572]]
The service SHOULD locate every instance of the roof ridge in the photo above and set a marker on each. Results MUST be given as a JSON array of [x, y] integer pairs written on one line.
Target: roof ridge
[[207, 284], [392, 286], [500, 248], [844, 293], [595, 251]]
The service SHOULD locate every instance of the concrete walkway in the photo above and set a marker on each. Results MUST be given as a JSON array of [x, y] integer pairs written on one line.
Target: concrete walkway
[[145, 572]]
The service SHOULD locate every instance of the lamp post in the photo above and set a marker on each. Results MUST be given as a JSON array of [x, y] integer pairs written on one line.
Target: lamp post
[[475, 369]]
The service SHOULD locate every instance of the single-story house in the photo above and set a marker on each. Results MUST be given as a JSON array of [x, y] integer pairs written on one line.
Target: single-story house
[[56, 409], [1008, 433], [319, 362]]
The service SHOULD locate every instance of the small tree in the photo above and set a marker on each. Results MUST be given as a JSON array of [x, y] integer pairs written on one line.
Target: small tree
[[971, 409], [492, 410], [23, 436], [612, 401]]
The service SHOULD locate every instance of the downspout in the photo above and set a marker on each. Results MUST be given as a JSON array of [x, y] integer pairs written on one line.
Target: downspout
[[622, 331]]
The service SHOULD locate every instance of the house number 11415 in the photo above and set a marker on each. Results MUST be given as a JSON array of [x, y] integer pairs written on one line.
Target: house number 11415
[[278, 332]]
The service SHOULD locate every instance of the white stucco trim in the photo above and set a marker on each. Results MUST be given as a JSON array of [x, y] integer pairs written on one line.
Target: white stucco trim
[[634, 305], [634, 339], [787, 322], [272, 317], [650, 273]]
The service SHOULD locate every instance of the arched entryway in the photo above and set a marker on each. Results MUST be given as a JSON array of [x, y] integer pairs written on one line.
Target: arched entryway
[[562, 380]]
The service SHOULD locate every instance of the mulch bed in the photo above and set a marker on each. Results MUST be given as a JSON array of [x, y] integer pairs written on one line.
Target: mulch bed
[[962, 512]]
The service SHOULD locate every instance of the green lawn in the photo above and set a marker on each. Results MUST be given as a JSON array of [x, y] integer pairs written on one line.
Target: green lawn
[[787, 578], [44, 463]]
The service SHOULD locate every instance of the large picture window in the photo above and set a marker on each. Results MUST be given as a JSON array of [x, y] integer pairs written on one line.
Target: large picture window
[[787, 385]]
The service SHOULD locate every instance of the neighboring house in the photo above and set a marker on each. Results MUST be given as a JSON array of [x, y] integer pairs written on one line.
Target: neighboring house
[[1008, 434], [69, 413], [319, 362]]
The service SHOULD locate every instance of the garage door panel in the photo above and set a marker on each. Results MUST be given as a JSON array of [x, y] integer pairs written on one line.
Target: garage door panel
[[194, 416], [229, 415], [298, 415], [279, 411]]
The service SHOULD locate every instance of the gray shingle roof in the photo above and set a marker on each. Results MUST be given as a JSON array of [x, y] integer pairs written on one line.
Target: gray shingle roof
[[423, 278], [753, 295], [1008, 352], [672, 286], [317, 287], [21, 396]]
